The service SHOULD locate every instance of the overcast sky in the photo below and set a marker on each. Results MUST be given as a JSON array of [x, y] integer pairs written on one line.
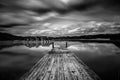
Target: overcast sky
[[19, 17]]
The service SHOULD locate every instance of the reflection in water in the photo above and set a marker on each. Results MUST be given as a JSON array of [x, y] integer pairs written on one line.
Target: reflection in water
[[20, 56], [93, 47], [37, 43]]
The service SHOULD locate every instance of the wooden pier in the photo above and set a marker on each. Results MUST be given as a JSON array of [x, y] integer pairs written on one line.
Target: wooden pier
[[60, 65]]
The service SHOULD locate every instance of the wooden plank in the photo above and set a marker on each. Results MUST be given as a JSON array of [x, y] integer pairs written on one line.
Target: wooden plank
[[60, 65]]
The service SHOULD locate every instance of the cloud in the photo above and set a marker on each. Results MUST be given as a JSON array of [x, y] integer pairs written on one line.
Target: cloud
[[58, 5], [17, 10], [19, 16], [24, 12], [72, 29], [33, 4], [12, 19]]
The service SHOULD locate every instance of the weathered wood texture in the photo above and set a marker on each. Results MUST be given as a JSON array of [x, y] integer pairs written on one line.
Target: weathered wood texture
[[62, 66]]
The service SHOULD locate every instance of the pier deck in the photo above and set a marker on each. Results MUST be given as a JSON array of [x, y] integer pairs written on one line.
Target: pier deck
[[60, 66]]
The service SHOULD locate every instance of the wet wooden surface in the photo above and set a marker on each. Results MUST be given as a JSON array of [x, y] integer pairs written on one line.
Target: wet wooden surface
[[60, 65]]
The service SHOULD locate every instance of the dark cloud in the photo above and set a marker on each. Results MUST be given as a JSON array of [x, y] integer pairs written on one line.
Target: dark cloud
[[8, 19], [111, 2], [57, 5], [12, 25], [89, 4], [14, 13], [20, 12]]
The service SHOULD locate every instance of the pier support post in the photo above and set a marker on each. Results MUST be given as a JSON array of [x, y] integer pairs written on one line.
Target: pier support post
[[52, 45], [66, 45]]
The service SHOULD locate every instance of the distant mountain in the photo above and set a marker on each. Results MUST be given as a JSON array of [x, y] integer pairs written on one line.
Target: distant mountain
[[102, 36], [7, 36], [95, 36]]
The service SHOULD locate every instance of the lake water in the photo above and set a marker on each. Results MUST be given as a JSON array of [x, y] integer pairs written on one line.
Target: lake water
[[102, 58]]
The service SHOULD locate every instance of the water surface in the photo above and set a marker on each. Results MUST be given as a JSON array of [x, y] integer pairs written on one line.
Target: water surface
[[102, 58]]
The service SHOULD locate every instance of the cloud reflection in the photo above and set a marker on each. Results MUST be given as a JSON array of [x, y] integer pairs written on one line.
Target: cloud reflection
[[24, 49]]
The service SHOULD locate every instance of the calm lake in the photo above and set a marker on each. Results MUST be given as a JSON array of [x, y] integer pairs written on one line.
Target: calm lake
[[102, 58]]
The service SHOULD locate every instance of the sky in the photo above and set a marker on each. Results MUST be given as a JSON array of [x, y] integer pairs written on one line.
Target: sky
[[59, 17]]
